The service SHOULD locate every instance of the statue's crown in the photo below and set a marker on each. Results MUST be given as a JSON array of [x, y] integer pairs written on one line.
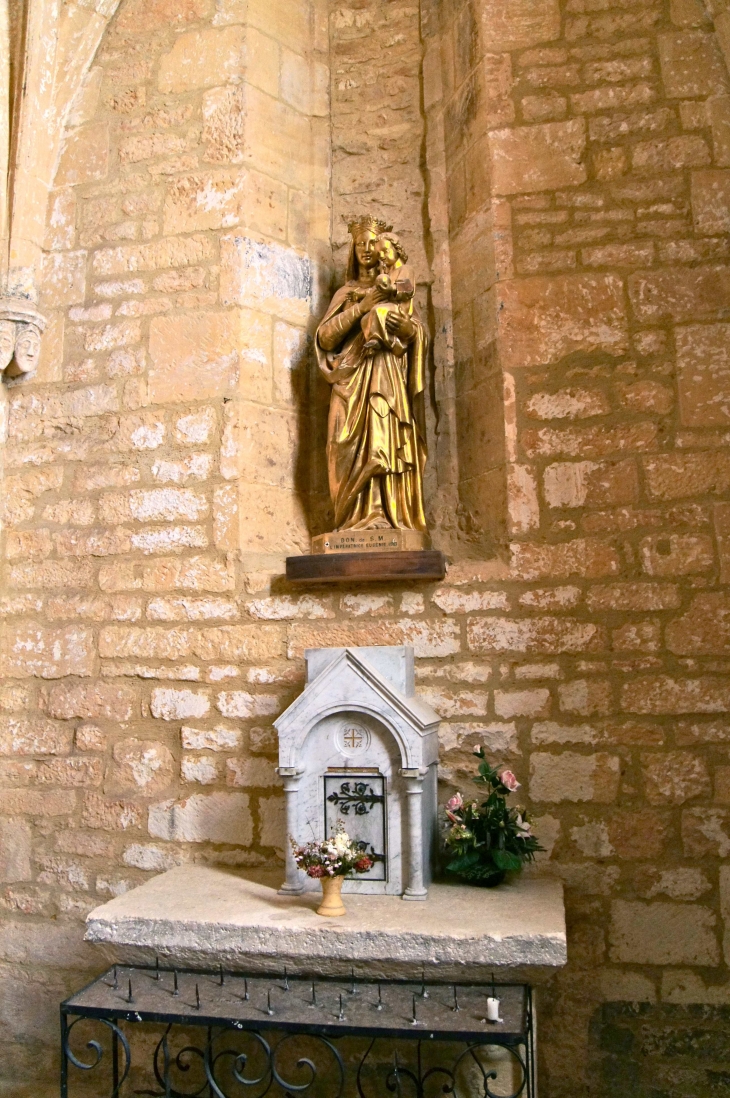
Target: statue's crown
[[374, 224]]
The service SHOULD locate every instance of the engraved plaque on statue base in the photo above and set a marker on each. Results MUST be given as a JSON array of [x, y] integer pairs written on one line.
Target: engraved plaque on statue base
[[371, 541]]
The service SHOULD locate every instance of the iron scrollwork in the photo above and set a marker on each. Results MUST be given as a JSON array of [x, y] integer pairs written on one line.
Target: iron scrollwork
[[420, 1080], [118, 1038], [307, 1066], [358, 796], [213, 1063], [249, 1036], [237, 1066]]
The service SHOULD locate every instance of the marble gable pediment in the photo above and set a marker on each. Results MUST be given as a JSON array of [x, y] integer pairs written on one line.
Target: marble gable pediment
[[366, 681]]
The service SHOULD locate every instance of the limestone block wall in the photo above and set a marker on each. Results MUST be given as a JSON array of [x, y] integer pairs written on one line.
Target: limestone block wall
[[157, 471]]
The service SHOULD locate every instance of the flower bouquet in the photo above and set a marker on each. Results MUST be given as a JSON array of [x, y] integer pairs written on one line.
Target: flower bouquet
[[487, 841], [331, 860]]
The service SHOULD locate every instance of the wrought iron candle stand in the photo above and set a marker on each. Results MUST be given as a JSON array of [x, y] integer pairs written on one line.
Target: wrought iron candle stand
[[281, 1035]]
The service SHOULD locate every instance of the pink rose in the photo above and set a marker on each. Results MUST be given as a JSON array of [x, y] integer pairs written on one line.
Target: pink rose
[[316, 871], [456, 802], [509, 781]]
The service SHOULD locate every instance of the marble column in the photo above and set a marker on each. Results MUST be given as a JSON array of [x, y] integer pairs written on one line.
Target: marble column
[[291, 777], [415, 889]]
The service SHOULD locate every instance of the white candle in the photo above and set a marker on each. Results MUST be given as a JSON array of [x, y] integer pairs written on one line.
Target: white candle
[[493, 1010]]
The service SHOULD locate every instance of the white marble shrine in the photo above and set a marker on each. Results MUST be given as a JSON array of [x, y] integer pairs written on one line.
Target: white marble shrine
[[358, 746]]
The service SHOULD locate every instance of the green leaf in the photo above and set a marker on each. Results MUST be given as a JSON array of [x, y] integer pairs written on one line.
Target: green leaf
[[504, 860], [464, 862]]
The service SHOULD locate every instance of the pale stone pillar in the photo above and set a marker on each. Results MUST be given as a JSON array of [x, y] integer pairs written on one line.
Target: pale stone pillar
[[291, 776], [415, 890]]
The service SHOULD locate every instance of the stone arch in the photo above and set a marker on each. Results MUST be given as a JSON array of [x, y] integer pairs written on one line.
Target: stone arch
[[51, 46]]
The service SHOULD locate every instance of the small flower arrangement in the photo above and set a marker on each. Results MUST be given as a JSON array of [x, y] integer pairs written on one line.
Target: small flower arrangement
[[333, 857], [487, 841]]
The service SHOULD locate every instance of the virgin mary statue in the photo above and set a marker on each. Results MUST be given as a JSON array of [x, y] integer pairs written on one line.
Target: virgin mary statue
[[371, 348]]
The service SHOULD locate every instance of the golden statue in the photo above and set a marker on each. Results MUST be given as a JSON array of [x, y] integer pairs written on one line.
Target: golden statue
[[371, 348]]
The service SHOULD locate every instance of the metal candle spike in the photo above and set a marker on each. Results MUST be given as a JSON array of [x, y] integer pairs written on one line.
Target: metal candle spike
[[115, 985], [314, 995], [130, 999], [269, 1008], [286, 979], [424, 993], [245, 989], [342, 1010], [380, 997], [157, 968], [352, 980], [221, 974], [414, 1019], [197, 997], [175, 990], [456, 1000]]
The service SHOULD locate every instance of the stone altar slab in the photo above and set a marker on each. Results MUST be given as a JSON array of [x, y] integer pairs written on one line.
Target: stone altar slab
[[203, 916]]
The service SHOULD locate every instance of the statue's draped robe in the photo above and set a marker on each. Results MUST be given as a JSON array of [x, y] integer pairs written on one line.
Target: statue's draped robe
[[376, 448]]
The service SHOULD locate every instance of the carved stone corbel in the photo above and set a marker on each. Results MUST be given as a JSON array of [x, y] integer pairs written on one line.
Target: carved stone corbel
[[21, 327]]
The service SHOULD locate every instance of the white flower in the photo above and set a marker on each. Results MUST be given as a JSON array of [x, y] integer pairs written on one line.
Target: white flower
[[342, 842], [523, 827]]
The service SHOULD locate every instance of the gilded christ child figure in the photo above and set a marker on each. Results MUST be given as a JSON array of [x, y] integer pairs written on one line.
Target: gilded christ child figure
[[396, 281]]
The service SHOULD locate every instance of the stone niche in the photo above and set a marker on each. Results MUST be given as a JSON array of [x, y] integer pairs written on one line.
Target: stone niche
[[358, 746]]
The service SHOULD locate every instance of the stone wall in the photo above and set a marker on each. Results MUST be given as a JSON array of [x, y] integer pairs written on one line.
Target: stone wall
[[582, 154], [559, 173]]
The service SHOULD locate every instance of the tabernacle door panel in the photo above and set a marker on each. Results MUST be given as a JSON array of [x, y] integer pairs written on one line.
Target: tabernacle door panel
[[359, 802]]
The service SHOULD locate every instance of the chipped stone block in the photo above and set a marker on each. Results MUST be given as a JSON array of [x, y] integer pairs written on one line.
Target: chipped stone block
[[661, 934], [585, 697], [677, 554], [704, 629], [703, 367], [28, 649], [267, 277], [538, 158], [203, 817], [674, 777], [203, 59], [454, 601], [661, 694], [518, 24], [680, 294], [691, 64], [522, 703], [255, 773], [584, 557], [141, 765], [534, 635], [573, 777], [194, 356], [711, 201], [544, 319], [170, 704], [455, 703], [15, 850], [99, 699]]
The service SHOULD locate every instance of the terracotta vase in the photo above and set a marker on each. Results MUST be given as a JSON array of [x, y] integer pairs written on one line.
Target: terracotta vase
[[332, 904]]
